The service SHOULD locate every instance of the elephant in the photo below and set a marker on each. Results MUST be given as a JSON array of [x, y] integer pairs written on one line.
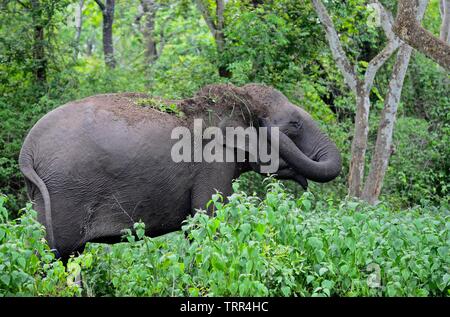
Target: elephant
[[95, 166]]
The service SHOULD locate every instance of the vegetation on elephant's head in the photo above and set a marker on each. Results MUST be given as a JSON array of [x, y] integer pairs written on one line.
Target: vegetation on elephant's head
[[161, 105]]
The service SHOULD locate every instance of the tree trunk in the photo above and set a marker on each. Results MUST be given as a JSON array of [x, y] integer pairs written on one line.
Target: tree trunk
[[108, 47], [90, 46], [445, 25], [149, 8], [380, 159], [108, 20], [359, 143], [216, 28], [360, 87], [78, 27], [220, 38], [39, 56]]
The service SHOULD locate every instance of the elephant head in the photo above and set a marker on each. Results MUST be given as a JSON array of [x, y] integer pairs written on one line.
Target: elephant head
[[307, 151]]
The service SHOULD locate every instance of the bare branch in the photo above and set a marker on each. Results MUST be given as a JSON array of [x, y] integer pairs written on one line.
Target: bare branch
[[394, 43], [101, 5], [23, 4], [445, 26], [207, 16], [382, 151], [377, 62], [347, 69], [387, 20], [411, 31]]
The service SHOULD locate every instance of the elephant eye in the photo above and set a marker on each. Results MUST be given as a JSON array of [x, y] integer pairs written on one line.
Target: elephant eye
[[296, 124]]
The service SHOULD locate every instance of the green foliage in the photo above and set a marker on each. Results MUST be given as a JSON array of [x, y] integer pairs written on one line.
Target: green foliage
[[279, 43], [278, 246], [266, 241], [16, 118], [27, 266], [425, 177], [281, 246], [160, 105]]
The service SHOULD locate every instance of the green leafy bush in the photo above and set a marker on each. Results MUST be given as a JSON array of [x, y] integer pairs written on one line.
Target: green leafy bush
[[281, 246], [419, 167], [27, 266]]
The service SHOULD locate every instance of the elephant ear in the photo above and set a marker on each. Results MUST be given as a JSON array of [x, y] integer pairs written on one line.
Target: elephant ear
[[236, 119], [251, 145], [239, 137]]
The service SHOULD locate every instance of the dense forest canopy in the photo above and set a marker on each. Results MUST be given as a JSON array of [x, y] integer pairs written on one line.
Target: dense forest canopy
[[340, 60]]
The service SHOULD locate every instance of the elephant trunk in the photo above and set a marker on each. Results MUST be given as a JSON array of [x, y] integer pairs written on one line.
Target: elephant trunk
[[326, 161]]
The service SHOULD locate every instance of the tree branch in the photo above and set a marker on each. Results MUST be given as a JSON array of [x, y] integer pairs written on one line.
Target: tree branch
[[445, 26], [207, 16], [411, 31], [347, 69], [219, 13], [23, 4], [101, 5], [387, 20], [394, 43]]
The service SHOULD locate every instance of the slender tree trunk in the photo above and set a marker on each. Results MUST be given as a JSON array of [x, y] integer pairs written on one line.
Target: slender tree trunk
[[360, 87], [39, 56], [380, 159], [445, 25], [78, 27], [90, 46], [149, 8], [217, 30], [359, 143], [220, 38], [108, 21]]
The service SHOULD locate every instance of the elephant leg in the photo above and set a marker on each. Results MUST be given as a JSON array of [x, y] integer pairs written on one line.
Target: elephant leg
[[211, 180]]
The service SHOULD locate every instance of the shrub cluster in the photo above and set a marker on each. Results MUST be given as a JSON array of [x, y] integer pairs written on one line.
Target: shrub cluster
[[275, 246], [27, 266], [281, 246]]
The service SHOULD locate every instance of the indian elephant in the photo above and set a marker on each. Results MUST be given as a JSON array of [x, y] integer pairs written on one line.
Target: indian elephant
[[95, 166]]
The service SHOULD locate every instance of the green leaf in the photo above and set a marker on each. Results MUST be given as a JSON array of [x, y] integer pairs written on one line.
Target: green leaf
[[315, 243], [323, 270], [6, 279], [286, 290], [22, 262], [307, 204]]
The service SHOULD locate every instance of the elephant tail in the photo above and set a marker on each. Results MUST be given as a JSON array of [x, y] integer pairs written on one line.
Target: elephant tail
[[31, 176]]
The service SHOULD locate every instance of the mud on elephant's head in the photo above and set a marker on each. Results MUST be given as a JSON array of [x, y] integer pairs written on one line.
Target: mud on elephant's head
[[307, 151]]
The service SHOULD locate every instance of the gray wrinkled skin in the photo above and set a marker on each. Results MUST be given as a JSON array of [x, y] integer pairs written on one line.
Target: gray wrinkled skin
[[96, 166]]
